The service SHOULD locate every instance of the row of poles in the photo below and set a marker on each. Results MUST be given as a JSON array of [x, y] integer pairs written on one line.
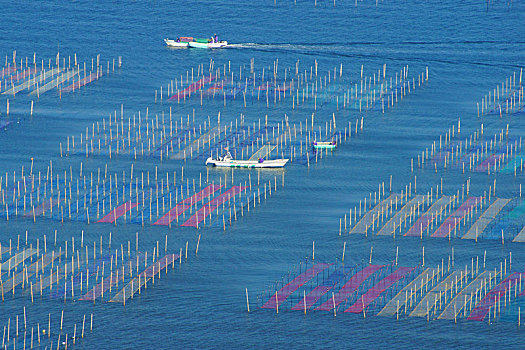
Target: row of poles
[[449, 286], [57, 193], [505, 98], [225, 79], [12, 331], [243, 140], [373, 217], [41, 269], [355, 95], [315, 2], [500, 149], [57, 76]]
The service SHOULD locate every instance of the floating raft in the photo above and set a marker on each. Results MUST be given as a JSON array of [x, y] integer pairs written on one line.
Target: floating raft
[[17, 259], [378, 289], [22, 86], [513, 164], [316, 294], [105, 285], [426, 304], [369, 216], [82, 82], [521, 236], [25, 73], [414, 287], [471, 153], [401, 216], [187, 203], [206, 209], [282, 294], [456, 305], [491, 298], [201, 141], [118, 212], [349, 287], [45, 206], [18, 279], [517, 212], [55, 82], [508, 221], [491, 160], [262, 152], [426, 219], [138, 282], [82, 275], [453, 220], [54, 278], [192, 88], [28, 83], [486, 218]]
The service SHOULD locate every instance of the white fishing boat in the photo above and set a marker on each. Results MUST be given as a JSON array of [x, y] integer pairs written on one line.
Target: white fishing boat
[[181, 42], [227, 161]]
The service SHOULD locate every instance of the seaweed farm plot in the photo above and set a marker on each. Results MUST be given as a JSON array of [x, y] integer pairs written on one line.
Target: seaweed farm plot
[[142, 136], [38, 333], [230, 204], [88, 273], [503, 220], [375, 92], [321, 4], [37, 78], [475, 153], [438, 215], [506, 98], [449, 294], [438, 293], [338, 287], [112, 199], [182, 140], [297, 86]]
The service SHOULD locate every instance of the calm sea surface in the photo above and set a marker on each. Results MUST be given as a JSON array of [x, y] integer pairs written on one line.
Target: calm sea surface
[[468, 46]]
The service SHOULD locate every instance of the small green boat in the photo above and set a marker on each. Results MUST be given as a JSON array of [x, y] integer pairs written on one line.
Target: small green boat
[[324, 144], [206, 44]]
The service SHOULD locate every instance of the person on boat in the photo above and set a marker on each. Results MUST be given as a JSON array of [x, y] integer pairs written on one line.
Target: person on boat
[[216, 38], [178, 40], [228, 154]]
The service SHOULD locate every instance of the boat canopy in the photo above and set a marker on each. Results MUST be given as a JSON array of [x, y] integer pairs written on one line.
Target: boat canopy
[[202, 41]]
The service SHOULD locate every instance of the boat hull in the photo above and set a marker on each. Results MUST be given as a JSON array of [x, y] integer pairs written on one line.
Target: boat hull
[[198, 45], [177, 44], [274, 163], [324, 145]]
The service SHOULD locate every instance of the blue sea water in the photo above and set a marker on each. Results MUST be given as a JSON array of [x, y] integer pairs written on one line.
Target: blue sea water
[[469, 48]]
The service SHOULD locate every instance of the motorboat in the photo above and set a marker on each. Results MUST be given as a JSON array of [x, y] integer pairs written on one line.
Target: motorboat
[[207, 44], [324, 144], [181, 42], [227, 161]]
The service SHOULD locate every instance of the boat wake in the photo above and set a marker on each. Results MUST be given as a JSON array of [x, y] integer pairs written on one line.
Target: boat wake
[[300, 48], [273, 46]]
